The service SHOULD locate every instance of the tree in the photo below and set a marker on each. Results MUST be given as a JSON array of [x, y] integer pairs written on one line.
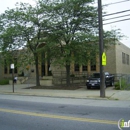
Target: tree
[[25, 26], [66, 29], [73, 26], [74, 33]]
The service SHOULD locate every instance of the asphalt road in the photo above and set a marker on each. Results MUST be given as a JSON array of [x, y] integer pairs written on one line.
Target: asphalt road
[[44, 113]]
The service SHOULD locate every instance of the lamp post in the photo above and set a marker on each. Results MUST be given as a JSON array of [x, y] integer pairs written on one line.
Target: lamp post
[[101, 49], [12, 67]]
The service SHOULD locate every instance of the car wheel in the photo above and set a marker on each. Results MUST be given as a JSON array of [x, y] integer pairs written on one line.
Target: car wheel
[[88, 87]]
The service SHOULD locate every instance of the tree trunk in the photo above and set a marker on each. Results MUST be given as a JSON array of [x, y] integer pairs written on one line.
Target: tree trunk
[[68, 75], [37, 71]]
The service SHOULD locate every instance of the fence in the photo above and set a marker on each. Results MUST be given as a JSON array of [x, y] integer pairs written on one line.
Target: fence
[[59, 78], [122, 81]]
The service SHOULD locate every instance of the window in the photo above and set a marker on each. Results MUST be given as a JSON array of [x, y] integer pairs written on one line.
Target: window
[[93, 67], [84, 68], [15, 69], [127, 59], [123, 57], [93, 64], [5, 70], [10, 71], [5, 67], [76, 67]]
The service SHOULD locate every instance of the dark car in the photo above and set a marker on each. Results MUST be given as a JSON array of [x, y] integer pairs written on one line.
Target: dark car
[[94, 80]]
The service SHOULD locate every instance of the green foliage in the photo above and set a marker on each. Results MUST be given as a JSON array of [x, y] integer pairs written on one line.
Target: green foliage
[[117, 86], [112, 37], [24, 26], [4, 81], [123, 85], [71, 32], [66, 30]]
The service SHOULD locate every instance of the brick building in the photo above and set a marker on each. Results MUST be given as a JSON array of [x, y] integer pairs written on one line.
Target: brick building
[[118, 59], [118, 62]]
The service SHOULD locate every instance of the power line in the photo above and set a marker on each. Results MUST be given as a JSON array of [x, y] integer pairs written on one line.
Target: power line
[[116, 21], [116, 13], [116, 17], [116, 2]]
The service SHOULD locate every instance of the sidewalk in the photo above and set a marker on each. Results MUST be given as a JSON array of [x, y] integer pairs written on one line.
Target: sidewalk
[[111, 94]]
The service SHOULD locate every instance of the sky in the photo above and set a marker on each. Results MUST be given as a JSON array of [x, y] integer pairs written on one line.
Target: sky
[[124, 26]]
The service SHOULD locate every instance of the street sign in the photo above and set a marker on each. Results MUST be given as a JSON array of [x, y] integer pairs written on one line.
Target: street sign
[[104, 59], [12, 66]]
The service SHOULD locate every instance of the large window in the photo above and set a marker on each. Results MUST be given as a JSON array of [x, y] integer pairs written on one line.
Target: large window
[[125, 58], [5, 70], [93, 64], [15, 66], [5, 67], [10, 71], [84, 68], [76, 67], [93, 67], [15, 69]]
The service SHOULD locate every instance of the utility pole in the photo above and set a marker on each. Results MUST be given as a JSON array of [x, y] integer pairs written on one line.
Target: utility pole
[[101, 50]]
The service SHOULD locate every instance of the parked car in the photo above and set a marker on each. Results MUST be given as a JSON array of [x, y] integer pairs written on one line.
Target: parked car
[[94, 80]]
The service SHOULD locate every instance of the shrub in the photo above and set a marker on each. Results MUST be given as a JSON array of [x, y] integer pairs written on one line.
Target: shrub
[[4, 81], [123, 85], [72, 75], [117, 86]]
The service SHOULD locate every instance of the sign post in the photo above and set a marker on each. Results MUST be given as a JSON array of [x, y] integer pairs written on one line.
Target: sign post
[[12, 67]]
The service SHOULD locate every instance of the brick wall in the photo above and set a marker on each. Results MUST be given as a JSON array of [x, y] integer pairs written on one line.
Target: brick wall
[[114, 59]]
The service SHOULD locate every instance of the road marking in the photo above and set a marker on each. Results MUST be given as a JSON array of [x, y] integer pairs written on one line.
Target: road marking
[[59, 117]]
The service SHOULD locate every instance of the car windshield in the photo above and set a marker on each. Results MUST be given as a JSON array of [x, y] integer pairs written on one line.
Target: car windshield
[[96, 75]]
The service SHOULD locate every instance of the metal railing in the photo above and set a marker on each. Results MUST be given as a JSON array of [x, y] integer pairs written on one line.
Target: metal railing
[[122, 81], [59, 78]]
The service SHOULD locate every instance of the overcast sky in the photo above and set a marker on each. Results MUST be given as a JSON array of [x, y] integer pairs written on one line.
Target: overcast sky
[[124, 26]]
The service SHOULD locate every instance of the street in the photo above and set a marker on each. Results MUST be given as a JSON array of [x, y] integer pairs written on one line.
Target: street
[[47, 113]]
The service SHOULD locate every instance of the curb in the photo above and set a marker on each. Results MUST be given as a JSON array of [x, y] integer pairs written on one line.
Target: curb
[[54, 96]]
